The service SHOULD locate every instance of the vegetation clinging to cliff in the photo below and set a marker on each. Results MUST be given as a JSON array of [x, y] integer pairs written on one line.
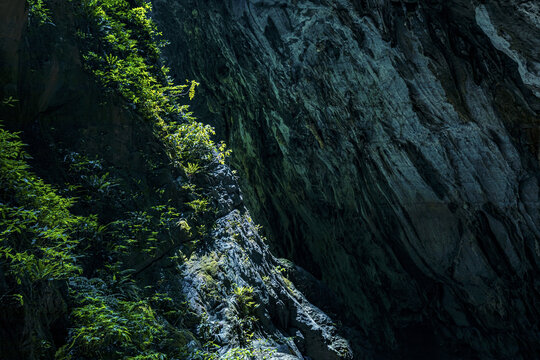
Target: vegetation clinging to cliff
[[122, 49], [81, 258], [44, 244], [39, 234]]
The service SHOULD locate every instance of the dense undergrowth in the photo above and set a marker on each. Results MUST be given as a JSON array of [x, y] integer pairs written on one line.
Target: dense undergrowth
[[60, 261], [43, 243]]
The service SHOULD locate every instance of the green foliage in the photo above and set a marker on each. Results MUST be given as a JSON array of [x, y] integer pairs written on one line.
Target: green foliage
[[122, 49], [192, 87], [242, 313], [91, 173], [38, 234], [9, 101], [42, 241], [107, 327], [192, 169], [211, 351], [38, 11], [145, 231], [199, 205], [191, 141], [245, 302]]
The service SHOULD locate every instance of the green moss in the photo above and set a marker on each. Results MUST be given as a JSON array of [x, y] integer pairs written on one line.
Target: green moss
[[209, 270], [210, 264]]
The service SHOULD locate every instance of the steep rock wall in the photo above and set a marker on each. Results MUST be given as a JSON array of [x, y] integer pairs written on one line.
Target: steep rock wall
[[64, 113], [390, 147]]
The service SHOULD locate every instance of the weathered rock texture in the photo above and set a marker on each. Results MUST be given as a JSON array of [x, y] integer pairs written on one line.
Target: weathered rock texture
[[391, 148], [62, 111]]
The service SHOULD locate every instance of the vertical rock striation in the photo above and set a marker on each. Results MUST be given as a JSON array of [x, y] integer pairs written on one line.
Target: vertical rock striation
[[392, 149]]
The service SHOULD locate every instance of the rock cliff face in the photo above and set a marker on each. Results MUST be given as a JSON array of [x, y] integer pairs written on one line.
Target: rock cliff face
[[392, 149], [389, 147], [235, 294]]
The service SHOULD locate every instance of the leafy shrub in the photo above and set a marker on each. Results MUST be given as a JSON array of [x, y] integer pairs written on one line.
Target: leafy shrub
[[243, 312], [107, 327], [244, 300], [42, 240], [122, 49], [38, 234], [37, 11]]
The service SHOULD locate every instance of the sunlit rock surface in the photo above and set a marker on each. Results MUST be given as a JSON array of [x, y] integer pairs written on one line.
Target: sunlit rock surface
[[62, 112], [392, 149]]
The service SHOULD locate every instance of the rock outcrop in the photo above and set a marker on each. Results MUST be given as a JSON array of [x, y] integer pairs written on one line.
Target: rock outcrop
[[392, 149], [238, 302]]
